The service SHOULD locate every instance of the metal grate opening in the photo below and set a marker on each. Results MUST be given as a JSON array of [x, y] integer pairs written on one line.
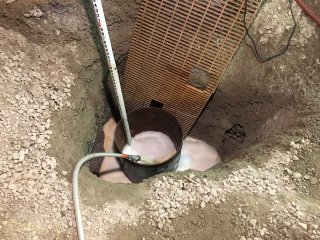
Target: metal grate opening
[[174, 40], [156, 104]]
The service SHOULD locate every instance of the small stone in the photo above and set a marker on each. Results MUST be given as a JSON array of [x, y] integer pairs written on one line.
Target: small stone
[[296, 175], [295, 158], [313, 180], [10, 1], [203, 204], [3, 176], [288, 171], [299, 214], [303, 141], [243, 238], [263, 232], [36, 12], [44, 190], [272, 192], [306, 177], [287, 224], [27, 15], [15, 156], [294, 145], [160, 225], [303, 225], [15, 58], [12, 186], [253, 223], [242, 215], [264, 40]]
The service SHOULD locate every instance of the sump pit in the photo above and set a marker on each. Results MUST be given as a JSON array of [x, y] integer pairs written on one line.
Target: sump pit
[[235, 119], [229, 134], [231, 123], [149, 119], [193, 153]]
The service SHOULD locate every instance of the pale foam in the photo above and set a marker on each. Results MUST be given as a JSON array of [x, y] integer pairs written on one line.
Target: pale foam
[[151, 145]]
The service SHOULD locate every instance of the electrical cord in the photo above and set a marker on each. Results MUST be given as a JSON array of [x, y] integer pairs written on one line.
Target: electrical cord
[[309, 12], [75, 183], [259, 57]]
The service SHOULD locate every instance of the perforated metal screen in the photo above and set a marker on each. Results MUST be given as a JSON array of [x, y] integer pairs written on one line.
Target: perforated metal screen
[[179, 51]]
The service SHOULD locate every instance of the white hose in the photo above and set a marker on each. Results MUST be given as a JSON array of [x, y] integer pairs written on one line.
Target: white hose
[[75, 187], [98, 10]]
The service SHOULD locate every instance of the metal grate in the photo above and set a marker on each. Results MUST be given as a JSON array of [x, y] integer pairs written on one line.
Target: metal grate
[[179, 52]]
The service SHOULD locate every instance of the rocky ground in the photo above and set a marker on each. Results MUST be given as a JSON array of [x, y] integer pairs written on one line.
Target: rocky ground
[[267, 131], [269, 187]]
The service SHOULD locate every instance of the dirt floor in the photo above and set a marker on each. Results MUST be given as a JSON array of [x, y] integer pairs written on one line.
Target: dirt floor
[[263, 119]]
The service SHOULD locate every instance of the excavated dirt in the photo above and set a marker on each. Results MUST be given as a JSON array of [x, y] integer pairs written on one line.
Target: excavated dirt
[[238, 116], [264, 120]]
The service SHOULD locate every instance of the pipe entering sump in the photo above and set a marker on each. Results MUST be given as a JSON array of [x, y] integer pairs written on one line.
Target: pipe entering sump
[[98, 10], [102, 25], [157, 121]]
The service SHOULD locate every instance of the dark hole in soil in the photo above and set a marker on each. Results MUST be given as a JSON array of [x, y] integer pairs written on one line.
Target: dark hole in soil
[[237, 117], [236, 134]]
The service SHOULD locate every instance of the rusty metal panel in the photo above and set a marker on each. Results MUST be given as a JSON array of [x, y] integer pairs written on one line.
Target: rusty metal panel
[[179, 52]]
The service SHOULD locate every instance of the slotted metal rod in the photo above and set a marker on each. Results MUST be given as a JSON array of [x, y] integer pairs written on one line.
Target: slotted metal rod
[[102, 25]]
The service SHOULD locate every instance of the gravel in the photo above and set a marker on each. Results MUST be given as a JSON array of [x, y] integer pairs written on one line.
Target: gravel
[[274, 24], [314, 180], [31, 93], [35, 200], [171, 198]]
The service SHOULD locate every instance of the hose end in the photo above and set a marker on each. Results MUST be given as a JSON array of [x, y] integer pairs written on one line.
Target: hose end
[[132, 158]]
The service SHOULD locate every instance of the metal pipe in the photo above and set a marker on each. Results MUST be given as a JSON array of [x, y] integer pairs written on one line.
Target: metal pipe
[[98, 10]]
